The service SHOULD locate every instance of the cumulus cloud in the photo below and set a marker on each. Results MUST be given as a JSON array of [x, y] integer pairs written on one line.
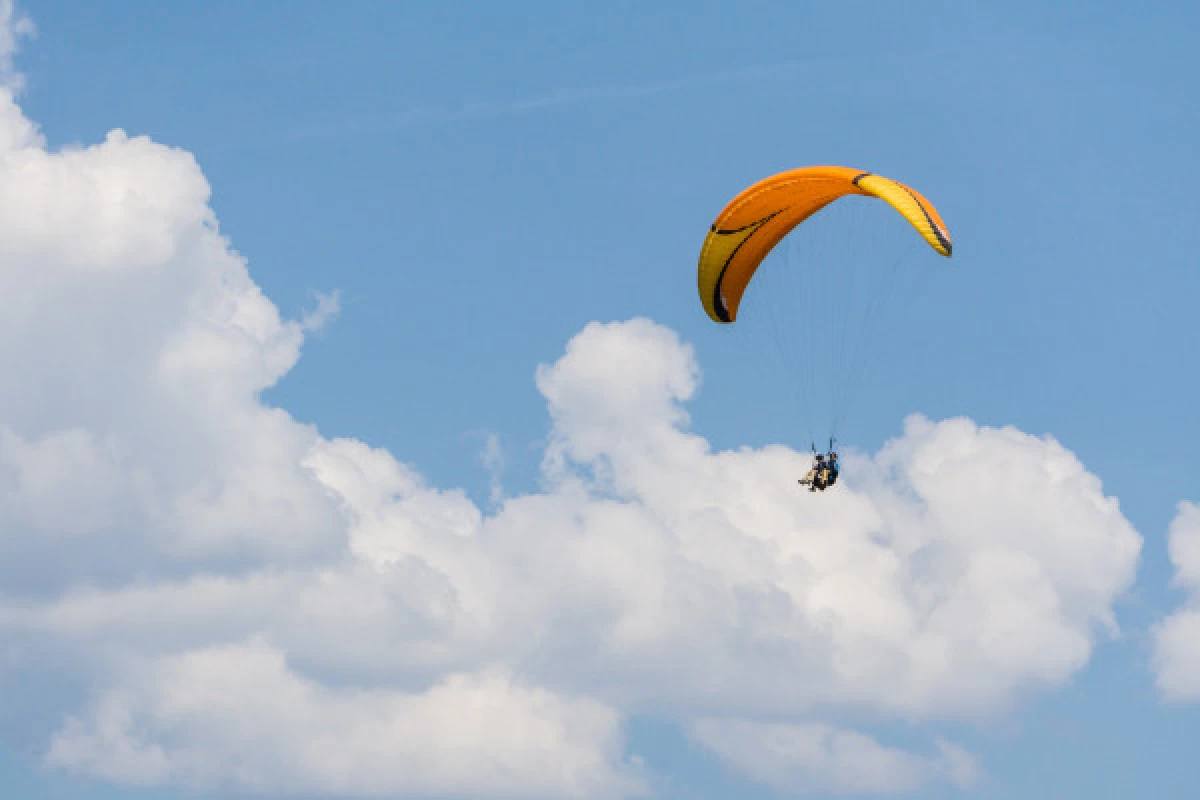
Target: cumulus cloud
[[957, 567], [492, 459], [141, 343], [14, 25], [1177, 638], [156, 516], [652, 574], [238, 717], [809, 758], [240, 602]]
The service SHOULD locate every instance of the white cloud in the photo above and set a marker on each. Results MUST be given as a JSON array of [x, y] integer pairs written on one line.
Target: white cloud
[[238, 717], [1177, 638], [808, 758], [652, 574], [492, 459], [1183, 545], [13, 26], [141, 343], [252, 605], [958, 567], [156, 516]]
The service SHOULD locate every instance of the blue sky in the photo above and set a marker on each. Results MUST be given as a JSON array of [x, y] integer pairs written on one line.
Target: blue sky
[[479, 182]]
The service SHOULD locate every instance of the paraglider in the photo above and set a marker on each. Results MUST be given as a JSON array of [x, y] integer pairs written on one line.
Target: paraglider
[[824, 472], [760, 216], [815, 479]]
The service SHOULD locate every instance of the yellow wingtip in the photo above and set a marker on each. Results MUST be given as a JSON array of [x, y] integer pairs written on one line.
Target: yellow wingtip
[[919, 212]]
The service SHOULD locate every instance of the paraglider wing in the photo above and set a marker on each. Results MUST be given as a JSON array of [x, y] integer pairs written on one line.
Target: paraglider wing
[[761, 215]]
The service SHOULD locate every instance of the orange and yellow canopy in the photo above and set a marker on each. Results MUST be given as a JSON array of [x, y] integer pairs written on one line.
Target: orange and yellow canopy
[[761, 215]]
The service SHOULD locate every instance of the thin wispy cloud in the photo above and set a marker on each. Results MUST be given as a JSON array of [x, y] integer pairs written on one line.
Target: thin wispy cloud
[[387, 122]]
